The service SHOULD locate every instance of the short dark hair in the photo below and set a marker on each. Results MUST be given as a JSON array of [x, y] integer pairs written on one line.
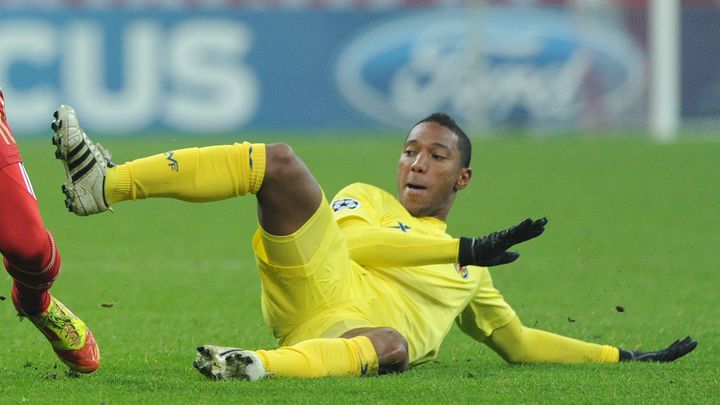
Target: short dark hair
[[449, 123]]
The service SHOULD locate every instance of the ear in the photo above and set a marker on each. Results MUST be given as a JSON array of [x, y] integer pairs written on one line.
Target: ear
[[463, 178]]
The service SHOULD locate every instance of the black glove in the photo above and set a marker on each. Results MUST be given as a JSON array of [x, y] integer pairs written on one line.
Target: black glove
[[491, 250]]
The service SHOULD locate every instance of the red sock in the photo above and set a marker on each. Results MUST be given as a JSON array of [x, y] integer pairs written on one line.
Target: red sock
[[30, 289], [30, 254]]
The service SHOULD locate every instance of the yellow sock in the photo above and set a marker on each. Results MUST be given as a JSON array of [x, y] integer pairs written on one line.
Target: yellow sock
[[322, 357], [194, 174], [519, 344]]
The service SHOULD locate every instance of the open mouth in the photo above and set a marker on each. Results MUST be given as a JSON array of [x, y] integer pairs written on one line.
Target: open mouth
[[415, 187]]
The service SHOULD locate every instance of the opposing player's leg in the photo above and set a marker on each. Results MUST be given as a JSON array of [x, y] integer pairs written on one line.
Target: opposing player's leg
[[31, 257]]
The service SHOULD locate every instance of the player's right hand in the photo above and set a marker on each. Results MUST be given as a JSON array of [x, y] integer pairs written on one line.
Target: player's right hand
[[491, 250]]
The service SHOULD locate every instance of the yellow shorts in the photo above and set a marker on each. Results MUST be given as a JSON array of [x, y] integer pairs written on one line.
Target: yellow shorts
[[311, 288], [308, 281]]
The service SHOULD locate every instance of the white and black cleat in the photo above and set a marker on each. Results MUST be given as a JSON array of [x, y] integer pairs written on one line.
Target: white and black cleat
[[228, 363], [85, 164]]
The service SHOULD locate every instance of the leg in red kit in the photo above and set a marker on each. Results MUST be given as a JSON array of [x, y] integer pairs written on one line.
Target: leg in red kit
[[31, 257]]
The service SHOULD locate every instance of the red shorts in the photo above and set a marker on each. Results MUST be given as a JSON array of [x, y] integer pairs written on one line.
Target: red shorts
[[9, 152]]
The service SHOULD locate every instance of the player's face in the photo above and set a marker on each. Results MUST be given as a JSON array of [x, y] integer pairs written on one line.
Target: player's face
[[429, 172]]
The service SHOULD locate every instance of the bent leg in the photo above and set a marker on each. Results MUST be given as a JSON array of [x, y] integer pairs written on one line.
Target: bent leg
[[30, 254], [518, 344], [290, 195], [391, 348], [193, 174], [358, 352], [322, 357], [287, 193]]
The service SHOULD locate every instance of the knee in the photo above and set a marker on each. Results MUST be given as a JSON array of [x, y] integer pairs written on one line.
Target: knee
[[390, 346], [27, 252], [282, 162], [392, 350]]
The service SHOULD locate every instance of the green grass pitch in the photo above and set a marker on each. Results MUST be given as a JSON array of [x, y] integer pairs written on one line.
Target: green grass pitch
[[634, 225]]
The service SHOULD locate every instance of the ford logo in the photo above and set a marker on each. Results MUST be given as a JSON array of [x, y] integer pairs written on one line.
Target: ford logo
[[496, 66]]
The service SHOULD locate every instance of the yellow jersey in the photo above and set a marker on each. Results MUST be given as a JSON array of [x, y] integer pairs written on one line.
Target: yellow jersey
[[420, 300]]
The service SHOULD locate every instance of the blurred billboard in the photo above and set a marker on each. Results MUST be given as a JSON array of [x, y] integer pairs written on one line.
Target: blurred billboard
[[210, 66]]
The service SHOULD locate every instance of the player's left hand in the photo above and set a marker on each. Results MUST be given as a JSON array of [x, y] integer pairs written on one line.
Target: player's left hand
[[491, 250]]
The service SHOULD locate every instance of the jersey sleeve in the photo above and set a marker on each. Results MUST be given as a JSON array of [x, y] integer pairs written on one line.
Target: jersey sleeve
[[381, 247], [359, 211], [358, 201]]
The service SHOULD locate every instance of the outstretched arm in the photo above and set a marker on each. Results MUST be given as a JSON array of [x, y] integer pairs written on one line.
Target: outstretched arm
[[517, 343], [375, 246]]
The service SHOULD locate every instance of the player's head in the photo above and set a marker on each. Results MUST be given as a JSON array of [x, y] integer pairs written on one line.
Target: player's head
[[463, 140], [434, 166]]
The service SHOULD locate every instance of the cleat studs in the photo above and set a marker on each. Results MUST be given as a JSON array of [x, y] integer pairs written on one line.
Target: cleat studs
[[55, 114], [64, 189], [54, 127], [57, 154]]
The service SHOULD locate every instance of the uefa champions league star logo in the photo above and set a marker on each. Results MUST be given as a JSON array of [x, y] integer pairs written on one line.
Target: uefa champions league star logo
[[345, 204]]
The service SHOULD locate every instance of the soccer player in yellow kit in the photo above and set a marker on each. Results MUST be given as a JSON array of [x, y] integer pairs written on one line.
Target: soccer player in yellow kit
[[365, 284]]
